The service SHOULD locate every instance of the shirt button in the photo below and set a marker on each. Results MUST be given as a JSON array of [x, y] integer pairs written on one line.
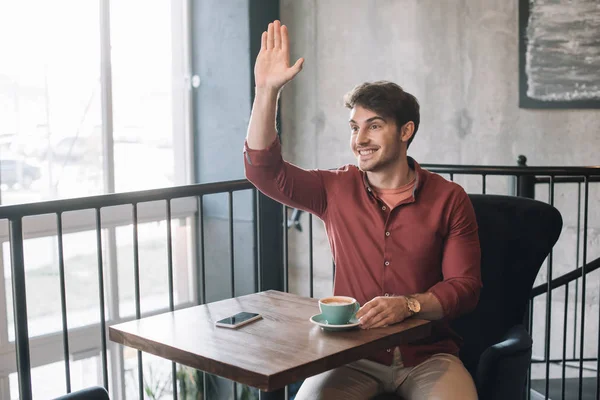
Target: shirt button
[[387, 263], [369, 189], [384, 208], [389, 350], [387, 234], [387, 295]]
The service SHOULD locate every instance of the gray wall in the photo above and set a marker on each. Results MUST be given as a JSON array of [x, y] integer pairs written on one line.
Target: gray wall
[[460, 59], [222, 109]]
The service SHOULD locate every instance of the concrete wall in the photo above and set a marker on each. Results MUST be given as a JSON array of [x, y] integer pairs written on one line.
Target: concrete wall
[[460, 59], [222, 110]]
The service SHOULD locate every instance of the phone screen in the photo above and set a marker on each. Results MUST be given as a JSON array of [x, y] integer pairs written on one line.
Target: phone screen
[[237, 318]]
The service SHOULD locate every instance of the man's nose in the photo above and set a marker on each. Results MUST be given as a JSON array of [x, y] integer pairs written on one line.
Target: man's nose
[[362, 137]]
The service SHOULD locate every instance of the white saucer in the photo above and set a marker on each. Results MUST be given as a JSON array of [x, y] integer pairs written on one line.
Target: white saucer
[[319, 320]]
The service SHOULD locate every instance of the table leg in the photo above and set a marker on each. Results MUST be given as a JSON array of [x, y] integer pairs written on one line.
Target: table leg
[[278, 394]]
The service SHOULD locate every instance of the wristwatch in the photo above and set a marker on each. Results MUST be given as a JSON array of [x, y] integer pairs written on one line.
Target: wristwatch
[[413, 305]]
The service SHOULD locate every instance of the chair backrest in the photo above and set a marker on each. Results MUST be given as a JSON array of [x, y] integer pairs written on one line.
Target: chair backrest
[[516, 235], [92, 393]]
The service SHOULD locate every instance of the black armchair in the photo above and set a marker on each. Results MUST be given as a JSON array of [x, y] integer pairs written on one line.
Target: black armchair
[[93, 393], [516, 235]]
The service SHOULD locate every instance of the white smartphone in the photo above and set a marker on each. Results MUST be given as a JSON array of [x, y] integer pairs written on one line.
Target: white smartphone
[[237, 320]]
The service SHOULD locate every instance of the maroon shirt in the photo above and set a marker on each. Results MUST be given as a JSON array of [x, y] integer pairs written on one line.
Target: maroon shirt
[[427, 243]]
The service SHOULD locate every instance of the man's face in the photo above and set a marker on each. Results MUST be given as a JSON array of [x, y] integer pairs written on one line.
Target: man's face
[[375, 141]]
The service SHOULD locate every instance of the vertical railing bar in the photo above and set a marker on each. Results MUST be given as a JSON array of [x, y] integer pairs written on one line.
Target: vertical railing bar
[[287, 393], [138, 313], [597, 359], [285, 250], [202, 253], [170, 256], [231, 244], [452, 177], [564, 352], [310, 254], [231, 264], [20, 308], [255, 226], [171, 285], [200, 225], [333, 270], [583, 281], [483, 189], [530, 330], [577, 266], [101, 295], [548, 300], [63, 300]]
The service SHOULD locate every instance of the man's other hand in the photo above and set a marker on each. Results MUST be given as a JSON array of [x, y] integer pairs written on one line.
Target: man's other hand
[[383, 311]]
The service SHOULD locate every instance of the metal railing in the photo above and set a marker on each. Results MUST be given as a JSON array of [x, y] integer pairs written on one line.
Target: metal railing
[[525, 180], [15, 215]]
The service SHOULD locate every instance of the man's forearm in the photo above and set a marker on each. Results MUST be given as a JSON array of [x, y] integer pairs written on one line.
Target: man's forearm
[[261, 130]]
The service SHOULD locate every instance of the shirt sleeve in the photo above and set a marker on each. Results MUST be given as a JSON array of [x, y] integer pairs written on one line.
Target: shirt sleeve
[[283, 181], [458, 293]]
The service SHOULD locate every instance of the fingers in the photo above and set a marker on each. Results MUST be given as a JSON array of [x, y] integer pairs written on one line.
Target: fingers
[[277, 34], [285, 40], [298, 65], [366, 316], [270, 37], [367, 307], [263, 41], [379, 320], [372, 316]]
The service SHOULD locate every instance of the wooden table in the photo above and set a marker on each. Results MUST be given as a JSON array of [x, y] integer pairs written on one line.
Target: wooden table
[[269, 354]]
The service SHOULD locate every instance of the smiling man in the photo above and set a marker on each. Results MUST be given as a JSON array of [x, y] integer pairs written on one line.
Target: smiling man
[[404, 240]]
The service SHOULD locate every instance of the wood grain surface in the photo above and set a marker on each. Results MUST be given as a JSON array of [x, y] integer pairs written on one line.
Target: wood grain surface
[[268, 354]]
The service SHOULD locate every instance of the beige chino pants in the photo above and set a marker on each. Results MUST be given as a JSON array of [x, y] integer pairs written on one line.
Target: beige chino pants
[[441, 377]]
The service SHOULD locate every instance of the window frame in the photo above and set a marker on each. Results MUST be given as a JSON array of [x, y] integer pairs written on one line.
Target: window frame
[[48, 347]]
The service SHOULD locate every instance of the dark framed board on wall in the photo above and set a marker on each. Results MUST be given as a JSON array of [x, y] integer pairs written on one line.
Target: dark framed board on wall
[[559, 54]]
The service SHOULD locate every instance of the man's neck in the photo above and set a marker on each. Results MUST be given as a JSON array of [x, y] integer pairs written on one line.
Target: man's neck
[[393, 176]]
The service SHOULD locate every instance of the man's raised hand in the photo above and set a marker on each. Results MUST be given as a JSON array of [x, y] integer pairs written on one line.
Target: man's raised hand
[[272, 69]]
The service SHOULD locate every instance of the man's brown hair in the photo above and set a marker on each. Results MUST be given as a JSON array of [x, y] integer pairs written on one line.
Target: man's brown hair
[[387, 99]]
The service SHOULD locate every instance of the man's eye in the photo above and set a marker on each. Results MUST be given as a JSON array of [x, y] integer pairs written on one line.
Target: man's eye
[[374, 126], [354, 128]]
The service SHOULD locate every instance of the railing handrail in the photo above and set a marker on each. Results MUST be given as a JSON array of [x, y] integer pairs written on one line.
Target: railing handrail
[[592, 170], [568, 179], [116, 199], [566, 278]]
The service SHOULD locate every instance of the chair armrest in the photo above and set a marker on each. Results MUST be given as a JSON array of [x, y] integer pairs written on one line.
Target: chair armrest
[[502, 368]]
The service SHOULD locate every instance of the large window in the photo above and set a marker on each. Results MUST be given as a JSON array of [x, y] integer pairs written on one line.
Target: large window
[[93, 99]]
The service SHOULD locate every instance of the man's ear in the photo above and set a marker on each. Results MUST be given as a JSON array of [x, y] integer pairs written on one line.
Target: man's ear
[[406, 131]]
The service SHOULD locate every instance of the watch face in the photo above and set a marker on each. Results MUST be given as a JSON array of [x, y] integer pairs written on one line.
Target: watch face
[[414, 305]]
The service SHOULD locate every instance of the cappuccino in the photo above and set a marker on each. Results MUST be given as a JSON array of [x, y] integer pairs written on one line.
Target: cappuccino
[[335, 302]]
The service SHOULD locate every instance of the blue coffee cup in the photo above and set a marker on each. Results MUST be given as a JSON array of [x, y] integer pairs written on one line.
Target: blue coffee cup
[[338, 310]]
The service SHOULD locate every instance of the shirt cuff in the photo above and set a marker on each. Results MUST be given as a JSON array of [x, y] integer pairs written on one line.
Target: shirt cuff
[[265, 157], [448, 298]]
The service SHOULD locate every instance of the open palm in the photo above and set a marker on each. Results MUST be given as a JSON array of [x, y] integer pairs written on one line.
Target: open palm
[[272, 68]]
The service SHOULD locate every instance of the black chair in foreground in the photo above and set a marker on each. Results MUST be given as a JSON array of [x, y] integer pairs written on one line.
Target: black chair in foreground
[[92, 393], [516, 236]]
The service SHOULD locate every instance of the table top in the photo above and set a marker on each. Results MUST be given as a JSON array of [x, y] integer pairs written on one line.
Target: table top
[[281, 348]]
